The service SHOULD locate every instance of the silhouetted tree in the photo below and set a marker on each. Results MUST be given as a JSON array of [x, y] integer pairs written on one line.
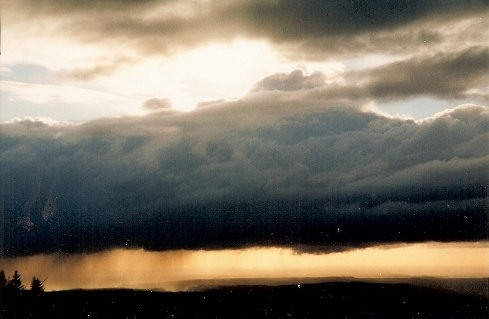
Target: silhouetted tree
[[3, 285], [37, 285], [15, 284], [3, 280]]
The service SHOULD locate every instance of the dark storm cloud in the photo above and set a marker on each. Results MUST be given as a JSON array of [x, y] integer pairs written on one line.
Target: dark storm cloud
[[312, 29], [462, 74], [278, 19], [305, 168], [293, 19], [444, 75]]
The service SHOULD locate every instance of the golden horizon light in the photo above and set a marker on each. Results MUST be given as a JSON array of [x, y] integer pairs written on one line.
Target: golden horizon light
[[138, 268]]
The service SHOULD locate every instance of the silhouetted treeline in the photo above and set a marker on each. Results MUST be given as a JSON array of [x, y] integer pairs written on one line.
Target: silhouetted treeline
[[12, 293], [326, 300], [14, 285]]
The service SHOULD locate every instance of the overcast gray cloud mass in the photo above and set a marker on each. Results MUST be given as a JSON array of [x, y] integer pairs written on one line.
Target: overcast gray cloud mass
[[300, 168], [444, 75], [311, 29]]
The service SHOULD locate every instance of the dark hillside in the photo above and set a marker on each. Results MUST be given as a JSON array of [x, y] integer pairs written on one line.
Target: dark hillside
[[325, 300]]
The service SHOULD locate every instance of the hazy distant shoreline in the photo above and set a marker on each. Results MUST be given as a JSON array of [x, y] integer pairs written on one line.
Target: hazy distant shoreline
[[466, 286]]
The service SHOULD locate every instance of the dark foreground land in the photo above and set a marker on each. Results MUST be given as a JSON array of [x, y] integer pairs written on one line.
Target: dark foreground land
[[323, 300]]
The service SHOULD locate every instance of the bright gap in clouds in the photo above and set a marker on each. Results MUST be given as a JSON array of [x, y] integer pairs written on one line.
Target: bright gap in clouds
[[216, 71], [417, 108], [219, 71]]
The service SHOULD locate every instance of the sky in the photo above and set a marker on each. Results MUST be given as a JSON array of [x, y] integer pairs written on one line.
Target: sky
[[318, 127]]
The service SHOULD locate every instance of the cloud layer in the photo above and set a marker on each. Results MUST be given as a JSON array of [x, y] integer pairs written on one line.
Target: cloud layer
[[309, 168], [454, 75], [314, 29], [301, 160], [290, 82], [114, 55]]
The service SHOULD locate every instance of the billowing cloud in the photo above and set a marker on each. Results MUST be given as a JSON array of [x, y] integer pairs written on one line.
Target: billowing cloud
[[310, 169], [293, 81], [210, 50], [157, 104], [301, 160]]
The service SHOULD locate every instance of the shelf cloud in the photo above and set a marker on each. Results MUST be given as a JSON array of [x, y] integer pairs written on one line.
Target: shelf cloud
[[291, 164], [295, 140]]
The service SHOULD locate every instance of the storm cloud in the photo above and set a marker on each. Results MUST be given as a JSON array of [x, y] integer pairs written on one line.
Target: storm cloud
[[299, 159], [306, 168], [454, 75], [312, 29]]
